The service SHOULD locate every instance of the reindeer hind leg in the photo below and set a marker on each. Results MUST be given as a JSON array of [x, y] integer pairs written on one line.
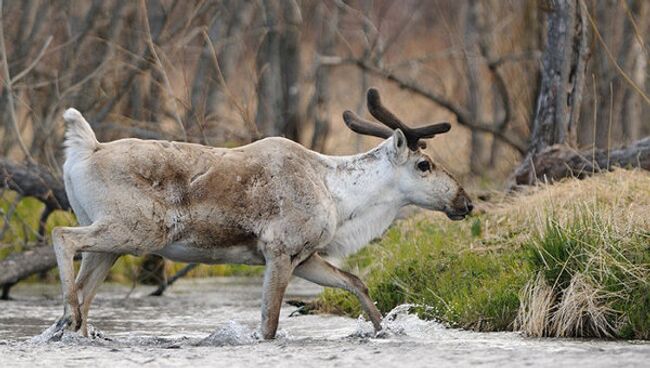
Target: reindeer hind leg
[[93, 271], [98, 237]]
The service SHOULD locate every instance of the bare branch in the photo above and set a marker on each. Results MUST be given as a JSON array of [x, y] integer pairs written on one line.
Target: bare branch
[[25, 71], [611, 57], [560, 161], [19, 266], [255, 133], [161, 68], [10, 93], [462, 116], [35, 181]]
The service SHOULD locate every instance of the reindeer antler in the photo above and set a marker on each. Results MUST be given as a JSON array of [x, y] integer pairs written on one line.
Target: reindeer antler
[[413, 135], [365, 127]]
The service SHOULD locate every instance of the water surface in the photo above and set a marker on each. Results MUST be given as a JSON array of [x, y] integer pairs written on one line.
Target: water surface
[[214, 322]]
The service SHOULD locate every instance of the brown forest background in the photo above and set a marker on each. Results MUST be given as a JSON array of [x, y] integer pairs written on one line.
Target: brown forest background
[[227, 72], [537, 89]]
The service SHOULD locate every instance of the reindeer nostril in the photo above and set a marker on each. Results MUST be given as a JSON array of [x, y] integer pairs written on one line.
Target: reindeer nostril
[[469, 206]]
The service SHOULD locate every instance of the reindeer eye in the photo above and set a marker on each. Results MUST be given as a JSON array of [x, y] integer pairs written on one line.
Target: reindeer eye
[[424, 166]]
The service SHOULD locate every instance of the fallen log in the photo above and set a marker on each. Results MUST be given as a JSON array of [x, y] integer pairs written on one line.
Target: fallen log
[[32, 180], [560, 161], [19, 266], [36, 181]]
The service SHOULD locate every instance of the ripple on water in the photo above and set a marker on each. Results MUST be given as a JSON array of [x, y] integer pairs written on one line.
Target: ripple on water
[[231, 333], [195, 324]]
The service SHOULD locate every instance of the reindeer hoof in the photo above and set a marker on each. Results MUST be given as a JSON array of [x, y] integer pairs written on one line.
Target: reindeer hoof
[[381, 334], [76, 325], [62, 323], [76, 319], [54, 332]]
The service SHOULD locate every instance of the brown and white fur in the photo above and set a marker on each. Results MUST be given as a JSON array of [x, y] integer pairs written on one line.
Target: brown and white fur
[[272, 202]]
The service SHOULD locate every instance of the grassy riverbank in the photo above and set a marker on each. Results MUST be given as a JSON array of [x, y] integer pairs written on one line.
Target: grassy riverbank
[[571, 259]]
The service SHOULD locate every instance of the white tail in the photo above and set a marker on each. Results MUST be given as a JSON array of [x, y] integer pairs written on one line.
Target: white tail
[[79, 136]]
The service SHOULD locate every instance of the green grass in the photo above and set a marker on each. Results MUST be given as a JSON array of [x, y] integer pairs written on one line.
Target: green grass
[[571, 259], [430, 264], [613, 264]]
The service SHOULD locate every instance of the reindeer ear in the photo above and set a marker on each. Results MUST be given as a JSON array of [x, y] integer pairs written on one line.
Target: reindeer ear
[[400, 147]]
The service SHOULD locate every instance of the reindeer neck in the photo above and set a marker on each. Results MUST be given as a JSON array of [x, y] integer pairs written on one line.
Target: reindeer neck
[[364, 189]]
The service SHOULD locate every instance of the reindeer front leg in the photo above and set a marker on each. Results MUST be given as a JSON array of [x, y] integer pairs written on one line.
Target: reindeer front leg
[[276, 278], [319, 271]]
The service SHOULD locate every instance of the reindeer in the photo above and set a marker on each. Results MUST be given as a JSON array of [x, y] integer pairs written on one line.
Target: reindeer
[[272, 202]]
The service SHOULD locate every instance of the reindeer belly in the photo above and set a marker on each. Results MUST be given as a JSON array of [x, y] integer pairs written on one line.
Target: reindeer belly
[[183, 251]]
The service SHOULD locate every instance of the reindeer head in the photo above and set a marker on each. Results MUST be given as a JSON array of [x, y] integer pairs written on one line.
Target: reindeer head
[[420, 180]]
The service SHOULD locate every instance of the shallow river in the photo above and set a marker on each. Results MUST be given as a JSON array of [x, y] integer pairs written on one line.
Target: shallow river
[[213, 322]]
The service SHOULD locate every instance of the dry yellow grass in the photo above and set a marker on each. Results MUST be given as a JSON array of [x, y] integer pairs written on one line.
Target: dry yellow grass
[[621, 197]]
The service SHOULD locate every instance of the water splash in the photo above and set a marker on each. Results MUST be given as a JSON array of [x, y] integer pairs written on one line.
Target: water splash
[[400, 321], [231, 334], [53, 333]]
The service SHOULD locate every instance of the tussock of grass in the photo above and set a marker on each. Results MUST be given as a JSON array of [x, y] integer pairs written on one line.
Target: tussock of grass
[[571, 259]]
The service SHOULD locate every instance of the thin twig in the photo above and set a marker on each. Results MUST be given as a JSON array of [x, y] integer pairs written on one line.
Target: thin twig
[[613, 59], [611, 118], [25, 71], [593, 149], [159, 64], [10, 93], [462, 116], [244, 113]]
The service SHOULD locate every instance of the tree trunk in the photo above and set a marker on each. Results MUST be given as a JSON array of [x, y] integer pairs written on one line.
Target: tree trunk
[[207, 93], [278, 67], [636, 65], [475, 83], [610, 19], [563, 72], [612, 108], [319, 107], [559, 161]]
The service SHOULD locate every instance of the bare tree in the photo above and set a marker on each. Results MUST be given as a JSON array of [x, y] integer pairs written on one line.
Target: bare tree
[[319, 106], [278, 67], [636, 64], [476, 87], [227, 22], [612, 107], [563, 73]]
